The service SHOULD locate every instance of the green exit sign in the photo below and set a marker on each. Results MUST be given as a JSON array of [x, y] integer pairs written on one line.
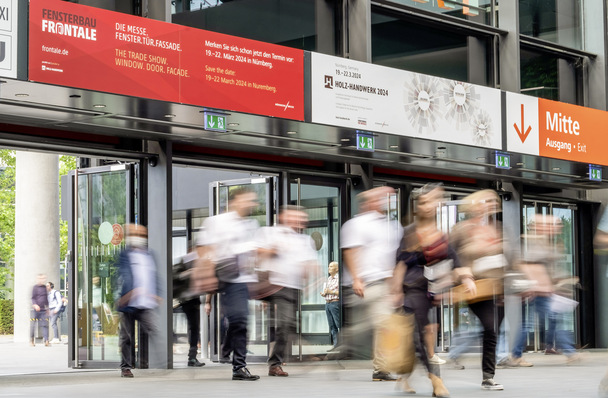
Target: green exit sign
[[215, 122], [365, 142], [595, 173], [503, 160]]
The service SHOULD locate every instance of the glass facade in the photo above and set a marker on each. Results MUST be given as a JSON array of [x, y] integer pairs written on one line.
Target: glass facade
[[548, 76], [404, 44], [472, 10], [289, 23], [557, 21]]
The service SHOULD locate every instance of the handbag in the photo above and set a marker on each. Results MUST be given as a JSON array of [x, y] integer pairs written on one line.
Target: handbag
[[486, 290], [227, 269], [439, 275], [396, 342], [489, 266]]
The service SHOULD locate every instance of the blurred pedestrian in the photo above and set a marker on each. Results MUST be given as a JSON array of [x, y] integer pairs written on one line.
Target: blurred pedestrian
[[369, 242], [139, 295], [600, 242], [538, 263], [190, 302], [228, 243], [423, 274], [40, 310], [288, 258], [479, 243], [55, 309], [331, 293]]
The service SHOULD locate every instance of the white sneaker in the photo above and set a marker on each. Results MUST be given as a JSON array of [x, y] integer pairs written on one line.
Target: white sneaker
[[55, 341], [435, 360]]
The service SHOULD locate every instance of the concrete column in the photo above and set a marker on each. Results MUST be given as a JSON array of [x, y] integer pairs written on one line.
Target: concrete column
[[36, 230], [159, 221], [360, 30], [594, 34], [509, 66]]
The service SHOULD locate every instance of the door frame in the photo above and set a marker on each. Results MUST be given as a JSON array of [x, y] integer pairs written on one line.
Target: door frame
[[72, 255]]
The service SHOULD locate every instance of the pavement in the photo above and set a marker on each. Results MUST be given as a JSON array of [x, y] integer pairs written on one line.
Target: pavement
[[41, 371]]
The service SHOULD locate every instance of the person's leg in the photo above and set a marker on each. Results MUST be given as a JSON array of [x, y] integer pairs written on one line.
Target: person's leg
[[378, 310], [127, 330], [333, 319], [285, 312], [44, 318], [235, 298], [419, 305], [490, 318], [33, 320], [192, 310], [54, 326]]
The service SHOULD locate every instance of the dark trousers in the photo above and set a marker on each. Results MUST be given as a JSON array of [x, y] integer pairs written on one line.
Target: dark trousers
[[490, 315], [284, 302], [234, 301], [42, 319], [332, 310], [192, 309], [418, 303], [147, 323]]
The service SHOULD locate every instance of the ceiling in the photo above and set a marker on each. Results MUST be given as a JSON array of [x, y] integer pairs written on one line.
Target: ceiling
[[75, 110]]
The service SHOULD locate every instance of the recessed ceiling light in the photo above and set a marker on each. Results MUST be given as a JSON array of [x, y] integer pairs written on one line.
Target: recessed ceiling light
[[482, 158], [345, 139], [22, 95], [75, 96], [233, 124], [292, 132], [556, 168], [169, 115], [394, 146], [519, 163], [99, 106]]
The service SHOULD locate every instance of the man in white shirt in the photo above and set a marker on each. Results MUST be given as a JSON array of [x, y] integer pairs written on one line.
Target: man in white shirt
[[228, 242], [369, 242], [288, 256]]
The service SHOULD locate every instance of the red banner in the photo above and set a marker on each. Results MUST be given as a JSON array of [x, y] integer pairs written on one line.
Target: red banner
[[95, 49]]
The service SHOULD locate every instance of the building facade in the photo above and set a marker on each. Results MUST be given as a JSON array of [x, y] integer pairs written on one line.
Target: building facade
[[165, 103]]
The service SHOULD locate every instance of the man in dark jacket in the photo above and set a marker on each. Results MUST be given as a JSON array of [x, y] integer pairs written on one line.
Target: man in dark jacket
[[138, 293], [40, 308]]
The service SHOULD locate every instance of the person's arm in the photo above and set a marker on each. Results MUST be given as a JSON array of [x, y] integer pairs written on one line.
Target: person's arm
[[35, 306], [351, 258]]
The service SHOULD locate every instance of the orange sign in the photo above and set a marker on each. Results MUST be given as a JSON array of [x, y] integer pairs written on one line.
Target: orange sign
[[572, 132]]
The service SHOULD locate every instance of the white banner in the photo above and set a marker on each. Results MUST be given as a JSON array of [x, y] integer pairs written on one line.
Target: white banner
[[522, 124], [370, 97], [8, 38]]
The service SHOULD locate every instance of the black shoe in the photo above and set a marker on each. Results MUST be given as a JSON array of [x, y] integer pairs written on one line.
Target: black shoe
[[195, 362], [383, 376], [126, 373], [243, 374]]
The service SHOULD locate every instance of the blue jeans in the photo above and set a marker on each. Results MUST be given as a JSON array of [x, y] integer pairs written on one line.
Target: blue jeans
[[332, 310], [542, 306]]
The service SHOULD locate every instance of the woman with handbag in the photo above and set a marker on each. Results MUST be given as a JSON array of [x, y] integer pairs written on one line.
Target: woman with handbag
[[424, 270], [479, 243]]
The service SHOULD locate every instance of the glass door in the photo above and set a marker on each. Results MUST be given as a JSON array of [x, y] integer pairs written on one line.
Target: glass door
[[265, 213], [564, 246], [103, 202], [322, 201]]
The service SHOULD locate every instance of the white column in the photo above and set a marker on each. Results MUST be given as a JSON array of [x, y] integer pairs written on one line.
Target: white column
[[36, 230]]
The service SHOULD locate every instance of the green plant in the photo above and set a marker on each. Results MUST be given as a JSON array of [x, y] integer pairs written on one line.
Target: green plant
[[6, 316]]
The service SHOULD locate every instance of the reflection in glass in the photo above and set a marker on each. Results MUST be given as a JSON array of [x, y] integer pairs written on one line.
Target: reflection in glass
[[472, 10], [102, 201], [557, 21]]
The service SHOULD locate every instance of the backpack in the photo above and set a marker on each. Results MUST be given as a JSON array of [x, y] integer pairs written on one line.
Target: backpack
[[61, 302]]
